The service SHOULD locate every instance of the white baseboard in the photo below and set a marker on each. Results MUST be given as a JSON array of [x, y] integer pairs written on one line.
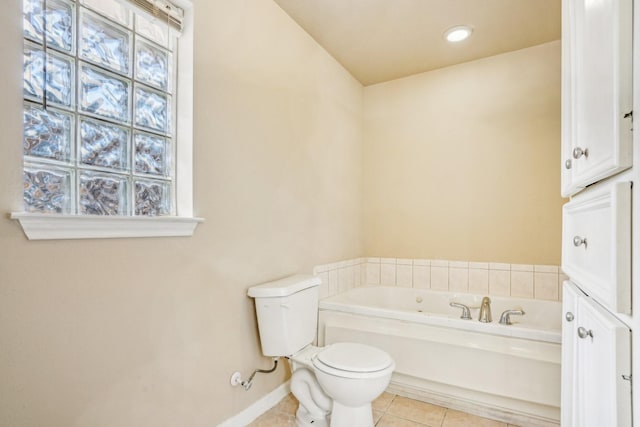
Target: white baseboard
[[259, 407], [420, 391]]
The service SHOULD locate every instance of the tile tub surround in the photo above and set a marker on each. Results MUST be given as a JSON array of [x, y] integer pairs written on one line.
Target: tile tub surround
[[388, 410], [486, 278]]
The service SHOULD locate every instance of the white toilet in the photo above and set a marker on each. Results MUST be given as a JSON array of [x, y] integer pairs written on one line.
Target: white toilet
[[336, 384]]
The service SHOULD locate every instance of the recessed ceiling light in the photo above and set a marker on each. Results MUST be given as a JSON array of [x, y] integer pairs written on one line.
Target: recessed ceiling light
[[458, 33]]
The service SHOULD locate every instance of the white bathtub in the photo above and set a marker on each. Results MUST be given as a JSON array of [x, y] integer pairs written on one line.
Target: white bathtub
[[508, 372]]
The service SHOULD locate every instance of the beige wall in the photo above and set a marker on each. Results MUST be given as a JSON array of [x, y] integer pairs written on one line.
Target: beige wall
[[461, 163], [146, 332]]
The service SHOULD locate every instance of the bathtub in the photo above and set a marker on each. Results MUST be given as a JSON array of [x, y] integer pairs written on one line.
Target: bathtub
[[507, 372]]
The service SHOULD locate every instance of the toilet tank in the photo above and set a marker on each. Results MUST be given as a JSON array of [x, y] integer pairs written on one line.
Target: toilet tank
[[287, 312]]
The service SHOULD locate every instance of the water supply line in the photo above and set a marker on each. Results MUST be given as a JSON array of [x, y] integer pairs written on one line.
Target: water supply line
[[236, 377]]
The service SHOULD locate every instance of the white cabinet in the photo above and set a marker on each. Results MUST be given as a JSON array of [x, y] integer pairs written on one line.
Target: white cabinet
[[596, 243], [596, 387], [597, 143], [597, 96]]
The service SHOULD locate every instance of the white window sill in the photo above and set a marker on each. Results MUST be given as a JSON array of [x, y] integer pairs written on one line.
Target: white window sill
[[45, 226]]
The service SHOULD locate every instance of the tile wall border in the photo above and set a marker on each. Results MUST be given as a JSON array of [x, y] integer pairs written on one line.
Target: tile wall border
[[543, 282]]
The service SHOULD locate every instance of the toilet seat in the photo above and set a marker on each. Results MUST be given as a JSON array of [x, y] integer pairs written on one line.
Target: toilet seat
[[352, 360]]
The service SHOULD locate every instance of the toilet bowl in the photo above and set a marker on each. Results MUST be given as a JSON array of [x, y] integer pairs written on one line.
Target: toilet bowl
[[340, 380], [352, 375]]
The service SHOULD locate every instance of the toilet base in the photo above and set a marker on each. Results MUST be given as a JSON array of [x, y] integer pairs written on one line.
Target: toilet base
[[305, 419], [314, 406], [348, 416]]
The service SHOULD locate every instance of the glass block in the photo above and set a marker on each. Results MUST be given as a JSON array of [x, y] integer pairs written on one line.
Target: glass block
[[104, 43], [152, 65], [47, 133], [46, 189], [155, 30], [103, 194], [32, 19], [59, 77], [151, 154], [103, 144], [104, 94], [60, 19], [33, 71], [152, 197], [114, 9], [151, 109]]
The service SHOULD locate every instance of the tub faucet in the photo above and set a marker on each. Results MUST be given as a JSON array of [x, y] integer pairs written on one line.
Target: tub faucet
[[505, 319], [466, 313], [485, 310]]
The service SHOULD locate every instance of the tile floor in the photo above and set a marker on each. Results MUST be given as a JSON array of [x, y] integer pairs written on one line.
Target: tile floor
[[389, 410]]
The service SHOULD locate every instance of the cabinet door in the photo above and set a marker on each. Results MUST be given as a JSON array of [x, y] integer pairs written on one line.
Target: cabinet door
[[568, 405], [596, 243], [603, 367], [597, 95]]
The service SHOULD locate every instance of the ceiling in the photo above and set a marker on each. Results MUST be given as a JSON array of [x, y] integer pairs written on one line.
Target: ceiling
[[381, 40]]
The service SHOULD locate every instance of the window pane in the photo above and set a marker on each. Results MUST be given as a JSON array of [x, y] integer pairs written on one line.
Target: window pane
[[152, 109], [32, 22], [152, 65], [114, 9], [102, 194], [103, 144], [60, 79], [33, 75], [104, 94], [103, 43], [47, 133], [155, 30], [59, 22], [152, 197], [151, 154], [46, 189], [60, 76]]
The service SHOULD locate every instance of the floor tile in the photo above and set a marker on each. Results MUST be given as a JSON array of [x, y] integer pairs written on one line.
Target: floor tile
[[389, 410], [460, 419], [391, 421], [419, 412], [382, 402], [288, 405], [274, 419]]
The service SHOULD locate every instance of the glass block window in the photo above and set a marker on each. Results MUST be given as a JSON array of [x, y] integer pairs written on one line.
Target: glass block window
[[99, 109]]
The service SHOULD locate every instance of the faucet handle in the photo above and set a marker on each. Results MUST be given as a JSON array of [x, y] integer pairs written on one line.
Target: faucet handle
[[466, 313], [505, 318]]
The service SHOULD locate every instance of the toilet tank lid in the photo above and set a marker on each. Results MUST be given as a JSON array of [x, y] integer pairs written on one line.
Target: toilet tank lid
[[284, 287]]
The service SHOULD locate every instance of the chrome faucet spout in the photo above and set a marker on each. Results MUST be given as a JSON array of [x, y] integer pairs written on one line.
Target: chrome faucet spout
[[485, 311]]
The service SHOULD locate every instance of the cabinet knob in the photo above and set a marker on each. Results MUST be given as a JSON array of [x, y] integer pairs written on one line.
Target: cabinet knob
[[583, 333], [567, 164], [579, 152], [569, 316], [579, 241]]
